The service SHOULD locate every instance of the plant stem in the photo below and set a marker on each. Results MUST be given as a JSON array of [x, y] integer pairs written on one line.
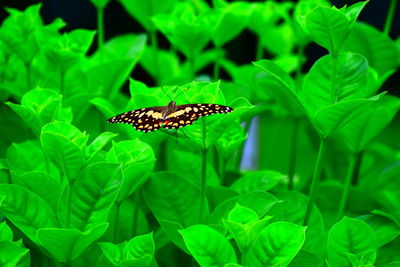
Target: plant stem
[[116, 222], [203, 181], [293, 152], [315, 181], [389, 17], [346, 187], [259, 49], [136, 212], [217, 63], [154, 45], [100, 28], [356, 173]]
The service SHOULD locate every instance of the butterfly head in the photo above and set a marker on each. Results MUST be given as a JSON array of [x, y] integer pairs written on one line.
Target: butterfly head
[[171, 104]]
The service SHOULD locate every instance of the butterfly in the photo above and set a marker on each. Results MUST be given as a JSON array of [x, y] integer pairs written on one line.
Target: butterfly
[[170, 117]]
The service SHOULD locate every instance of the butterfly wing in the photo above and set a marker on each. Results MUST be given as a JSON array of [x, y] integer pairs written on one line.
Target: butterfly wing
[[143, 120], [184, 115]]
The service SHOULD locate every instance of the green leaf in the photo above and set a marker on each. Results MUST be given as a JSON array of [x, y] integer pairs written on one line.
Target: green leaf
[[189, 36], [276, 245], [137, 159], [65, 145], [350, 81], [305, 258], [26, 210], [40, 183], [260, 202], [227, 21], [242, 215], [110, 68], [67, 244], [139, 247], [359, 132], [143, 11], [100, 4], [286, 92], [93, 194], [208, 247], [332, 118], [12, 254], [99, 143], [328, 27], [257, 181], [174, 201], [6, 233], [380, 51], [349, 236], [112, 251], [385, 226]]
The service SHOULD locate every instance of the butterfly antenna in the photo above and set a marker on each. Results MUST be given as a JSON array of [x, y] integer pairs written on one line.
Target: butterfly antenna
[[165, 92], [182, 91]]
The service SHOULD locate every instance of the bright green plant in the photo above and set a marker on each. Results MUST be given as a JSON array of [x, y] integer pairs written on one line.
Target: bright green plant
[[323, 186]]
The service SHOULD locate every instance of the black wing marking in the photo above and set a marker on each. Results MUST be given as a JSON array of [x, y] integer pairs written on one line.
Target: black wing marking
[[143, 120], [184, 115]]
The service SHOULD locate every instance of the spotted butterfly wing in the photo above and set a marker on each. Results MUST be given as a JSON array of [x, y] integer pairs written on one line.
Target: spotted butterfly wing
[[184, 115], [143, 120], [169, 117]]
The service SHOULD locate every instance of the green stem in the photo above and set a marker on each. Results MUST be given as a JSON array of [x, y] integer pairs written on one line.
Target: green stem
[[136, 212], [259, 49], [217, 63], [100, 28], [116, 222], [315, 181], [389, 17], [347, 185], [293, 153], [203, 181], [154, 45], [354, 180], [28, 75]]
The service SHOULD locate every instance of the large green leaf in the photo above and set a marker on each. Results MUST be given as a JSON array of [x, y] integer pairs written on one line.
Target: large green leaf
[[93, 195], [64, 145], [67, 244], [174, 201], [373, 119], [137, 159], [349, 81], [276, 245], [380, 51], [349, 236], [6, 233], [99, 143], [208, 247], [111, 67], [26, 210]]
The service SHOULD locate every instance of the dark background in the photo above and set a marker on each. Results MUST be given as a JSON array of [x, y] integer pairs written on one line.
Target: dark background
[[82, 14]]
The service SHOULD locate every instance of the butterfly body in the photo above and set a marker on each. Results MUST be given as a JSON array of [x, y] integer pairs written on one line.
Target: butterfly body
[[171, 116]]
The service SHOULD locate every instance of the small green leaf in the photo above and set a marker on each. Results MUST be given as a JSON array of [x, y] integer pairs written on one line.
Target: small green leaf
[[349, 236], [67, 244], [257, 181], [208, 247], [242, 215], [112, 251], [139, 247], [276, 245], [26, 210], [99, 143]]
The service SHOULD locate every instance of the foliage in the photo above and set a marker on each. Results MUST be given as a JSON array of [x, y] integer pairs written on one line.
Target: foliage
[[77, 192]]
